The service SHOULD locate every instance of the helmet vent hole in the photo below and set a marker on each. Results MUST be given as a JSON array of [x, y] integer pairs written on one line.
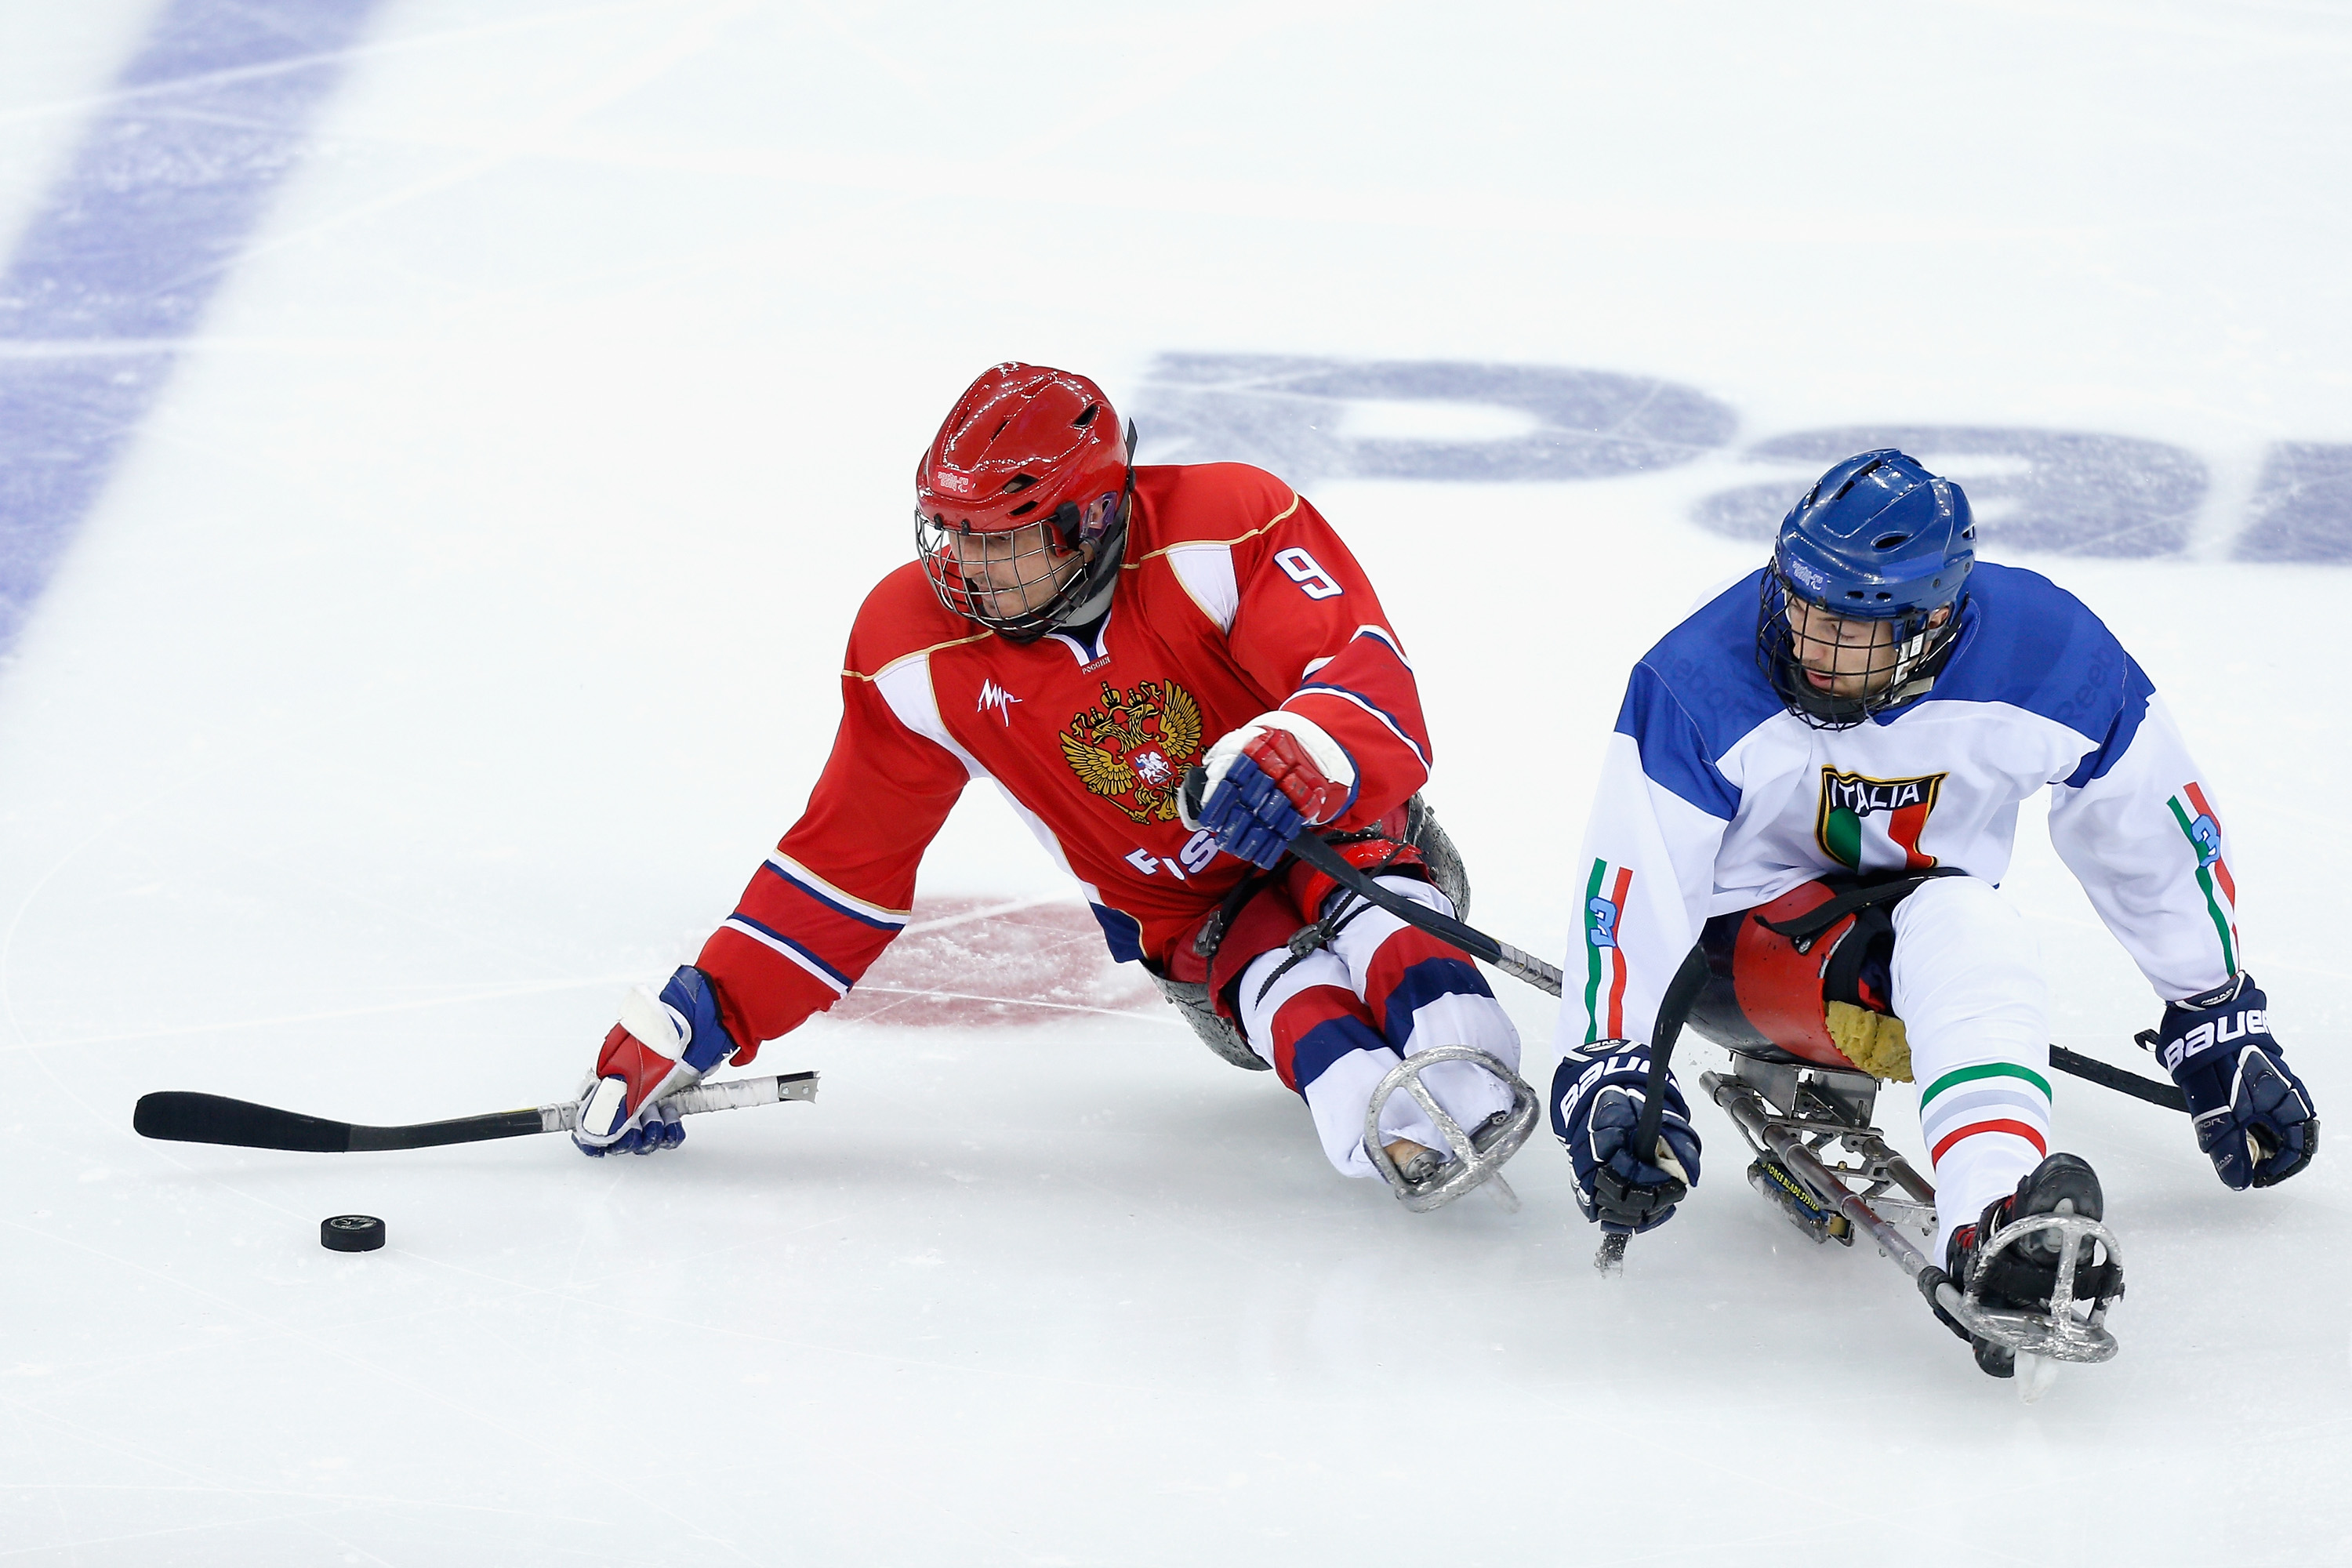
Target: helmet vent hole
[[1025, 505], [1888, 540], [1018, 483], [1086, 415]]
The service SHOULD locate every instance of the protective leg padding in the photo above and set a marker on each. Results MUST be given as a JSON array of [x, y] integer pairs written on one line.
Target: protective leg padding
[[1315, 1025], [1967, 986]]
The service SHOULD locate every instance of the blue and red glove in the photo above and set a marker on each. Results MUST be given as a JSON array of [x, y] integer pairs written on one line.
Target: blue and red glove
[[2253, 1117], [662, 1043], [1262, 782], [1596, 1107]]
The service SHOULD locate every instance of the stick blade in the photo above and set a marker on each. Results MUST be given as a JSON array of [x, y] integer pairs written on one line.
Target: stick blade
[[181, 1117]]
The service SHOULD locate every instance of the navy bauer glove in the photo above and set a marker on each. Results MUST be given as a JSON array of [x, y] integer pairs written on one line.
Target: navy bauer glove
[[2253, 1116], [1596, 1103]]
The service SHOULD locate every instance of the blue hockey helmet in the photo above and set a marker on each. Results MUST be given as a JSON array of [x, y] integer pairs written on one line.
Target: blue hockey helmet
[[1877, 539]]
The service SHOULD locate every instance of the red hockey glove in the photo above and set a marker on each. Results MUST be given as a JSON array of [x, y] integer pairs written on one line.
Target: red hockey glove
[[1260, 784], [662, 1043]]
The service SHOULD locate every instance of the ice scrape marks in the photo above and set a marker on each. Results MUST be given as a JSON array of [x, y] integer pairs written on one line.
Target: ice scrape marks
[[966, 962], [124, 252], [2302, 508], [1292, 415], [2067, 493]]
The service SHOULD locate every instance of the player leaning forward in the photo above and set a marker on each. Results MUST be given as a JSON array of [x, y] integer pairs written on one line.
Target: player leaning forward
[[1075, 630], [1864, 716]]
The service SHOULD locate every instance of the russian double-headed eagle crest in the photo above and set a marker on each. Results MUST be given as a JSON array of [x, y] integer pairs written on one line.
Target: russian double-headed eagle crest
[[1134, 749]]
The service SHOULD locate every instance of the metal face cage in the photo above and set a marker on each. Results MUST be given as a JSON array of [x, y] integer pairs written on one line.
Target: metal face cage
[[1017, 581], [1897, 670]]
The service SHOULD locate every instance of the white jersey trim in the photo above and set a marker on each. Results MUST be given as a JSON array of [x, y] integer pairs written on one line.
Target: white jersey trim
[[831, 982], [906, 686], [1206, 572], [794, 871]]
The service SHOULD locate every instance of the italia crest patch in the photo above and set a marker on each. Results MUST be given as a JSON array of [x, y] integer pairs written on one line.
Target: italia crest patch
[[1133, 751], [1874, 825]]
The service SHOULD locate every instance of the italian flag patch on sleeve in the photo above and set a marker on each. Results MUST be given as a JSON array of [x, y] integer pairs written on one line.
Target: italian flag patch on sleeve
[[2194, 816], [1605, 965]]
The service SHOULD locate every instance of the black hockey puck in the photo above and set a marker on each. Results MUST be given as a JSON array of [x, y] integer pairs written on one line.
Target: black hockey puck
[[351, 1232]]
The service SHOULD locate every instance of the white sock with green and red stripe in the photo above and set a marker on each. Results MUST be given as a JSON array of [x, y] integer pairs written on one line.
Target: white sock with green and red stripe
[[1969, 988], [1987, 1124]]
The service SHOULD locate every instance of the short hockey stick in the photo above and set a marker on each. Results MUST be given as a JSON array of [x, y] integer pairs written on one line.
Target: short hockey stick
[[188, 1118], [1308, 845]]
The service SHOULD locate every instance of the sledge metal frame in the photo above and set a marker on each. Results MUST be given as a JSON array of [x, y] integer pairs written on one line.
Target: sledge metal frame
[[1477, 1160], [1828, 1111], [1799, 1118]]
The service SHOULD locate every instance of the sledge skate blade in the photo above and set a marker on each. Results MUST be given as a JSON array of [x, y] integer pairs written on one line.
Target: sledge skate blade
[[2063, 1333], [1475, 1161]]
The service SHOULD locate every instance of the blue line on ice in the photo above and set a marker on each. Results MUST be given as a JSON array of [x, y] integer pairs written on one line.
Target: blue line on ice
[[124, 253]]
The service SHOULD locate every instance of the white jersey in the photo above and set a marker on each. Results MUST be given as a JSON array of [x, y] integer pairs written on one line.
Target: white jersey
[[1715, 798]]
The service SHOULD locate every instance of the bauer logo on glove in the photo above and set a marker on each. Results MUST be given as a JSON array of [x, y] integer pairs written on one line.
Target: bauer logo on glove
[[2252, 1115], [1596, 1107]]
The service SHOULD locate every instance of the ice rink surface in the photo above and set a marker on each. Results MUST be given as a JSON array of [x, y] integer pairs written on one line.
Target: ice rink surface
[[442, 445]]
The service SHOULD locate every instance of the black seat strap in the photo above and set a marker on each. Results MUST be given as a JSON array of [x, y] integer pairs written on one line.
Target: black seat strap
[[1806, 929]]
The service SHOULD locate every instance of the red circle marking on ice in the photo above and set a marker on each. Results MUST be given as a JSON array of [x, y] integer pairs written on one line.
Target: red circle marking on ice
[[962, 962]]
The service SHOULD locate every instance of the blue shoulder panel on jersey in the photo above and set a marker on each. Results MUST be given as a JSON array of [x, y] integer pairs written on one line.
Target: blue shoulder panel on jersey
[[2027, 642], [1695, 695]]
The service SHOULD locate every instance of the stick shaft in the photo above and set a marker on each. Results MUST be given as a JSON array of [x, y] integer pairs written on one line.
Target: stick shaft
[[2090, 1069], [1672, 1008], [1308, 845], [189, 1118]]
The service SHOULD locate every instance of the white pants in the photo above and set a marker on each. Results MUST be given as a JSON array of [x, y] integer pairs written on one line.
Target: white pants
[[1967, 986], [1335, 1022]]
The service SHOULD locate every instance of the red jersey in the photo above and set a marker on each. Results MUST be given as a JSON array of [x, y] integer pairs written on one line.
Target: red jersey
[[1235, 598]]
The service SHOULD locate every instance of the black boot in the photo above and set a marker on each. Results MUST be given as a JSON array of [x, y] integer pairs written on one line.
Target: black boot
[[2023, 1277]]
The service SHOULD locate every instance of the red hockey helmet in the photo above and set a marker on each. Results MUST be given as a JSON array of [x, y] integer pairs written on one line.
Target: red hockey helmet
[[1021, 501]]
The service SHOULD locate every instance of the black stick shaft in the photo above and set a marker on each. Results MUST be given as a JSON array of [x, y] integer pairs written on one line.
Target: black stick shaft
[[188, 1118], [183, 1117], [2093, 1071], [1672, 1008], [1308, 845]]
